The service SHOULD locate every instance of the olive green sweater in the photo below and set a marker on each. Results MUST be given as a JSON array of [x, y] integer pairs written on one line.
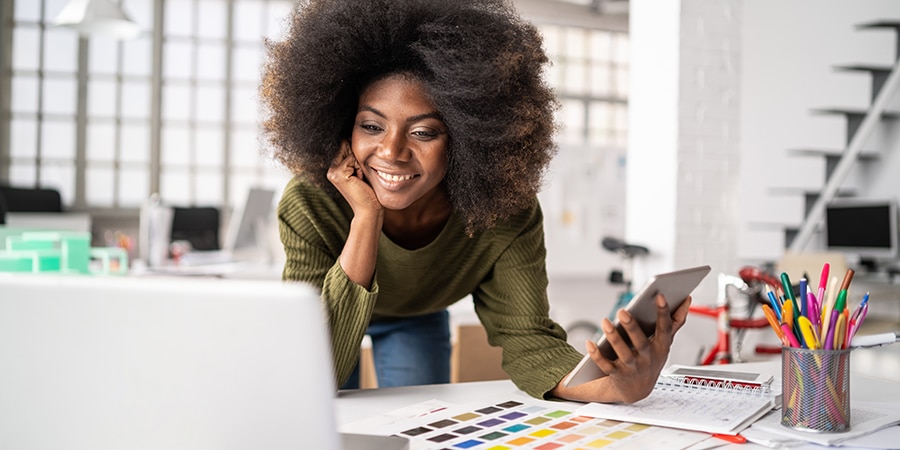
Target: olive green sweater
[[502, 268]]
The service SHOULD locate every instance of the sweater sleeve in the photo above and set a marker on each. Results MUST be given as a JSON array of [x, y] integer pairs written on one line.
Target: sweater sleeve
[[512, 304], [312, 230]]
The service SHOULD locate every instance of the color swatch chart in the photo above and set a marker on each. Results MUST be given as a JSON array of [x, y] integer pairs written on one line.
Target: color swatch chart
[[513, 425]]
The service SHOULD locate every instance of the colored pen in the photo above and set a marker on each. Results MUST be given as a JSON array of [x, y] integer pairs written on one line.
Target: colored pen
[[839, 332], [841, 301], [832, 293], [773, 321], [776, 307], [787, 316], [835, 309], [862, 317], [848, 277], [734, 439], [823, 281], [813, 310], [860, 306], [846, 330], [825, 326], [809, 334], [803, 299], [789, 335], [829, 338], [788, 289]]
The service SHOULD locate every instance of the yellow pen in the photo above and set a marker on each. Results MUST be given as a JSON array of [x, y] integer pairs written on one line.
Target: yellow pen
[[809, 333], [787, 313], [839, 328]]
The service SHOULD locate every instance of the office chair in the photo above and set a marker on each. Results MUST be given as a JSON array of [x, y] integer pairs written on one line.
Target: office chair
[[198, 225], [2, 211], [30, 199]]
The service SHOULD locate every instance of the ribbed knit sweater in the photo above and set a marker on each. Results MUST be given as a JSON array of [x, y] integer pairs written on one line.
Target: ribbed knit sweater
[[503, 268]]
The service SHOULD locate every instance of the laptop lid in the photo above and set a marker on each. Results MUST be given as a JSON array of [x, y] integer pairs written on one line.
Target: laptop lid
[[153, 363]]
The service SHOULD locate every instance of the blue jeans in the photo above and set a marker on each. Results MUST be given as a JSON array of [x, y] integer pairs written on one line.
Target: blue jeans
[[409, 351]]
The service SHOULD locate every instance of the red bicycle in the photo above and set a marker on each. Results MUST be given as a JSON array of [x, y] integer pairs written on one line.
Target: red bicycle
[[750, 283]]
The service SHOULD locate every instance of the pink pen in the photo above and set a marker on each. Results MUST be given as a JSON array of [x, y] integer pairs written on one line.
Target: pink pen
[[862, 317], [813, 309], [823, 281], [789, 335]]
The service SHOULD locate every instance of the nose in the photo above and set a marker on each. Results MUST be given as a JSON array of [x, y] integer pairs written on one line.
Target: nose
[[394, 147]]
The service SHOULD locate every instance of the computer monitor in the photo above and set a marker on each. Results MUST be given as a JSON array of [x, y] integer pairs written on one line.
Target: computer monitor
[[247, 226], [865, 228]]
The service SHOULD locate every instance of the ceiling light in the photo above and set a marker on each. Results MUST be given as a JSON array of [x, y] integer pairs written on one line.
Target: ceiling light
[[97, 17]]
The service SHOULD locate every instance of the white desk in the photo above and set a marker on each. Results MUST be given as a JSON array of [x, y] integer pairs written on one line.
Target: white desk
[[355, 405]]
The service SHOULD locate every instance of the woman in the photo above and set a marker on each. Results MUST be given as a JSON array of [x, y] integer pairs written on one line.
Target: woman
[[419, 131]]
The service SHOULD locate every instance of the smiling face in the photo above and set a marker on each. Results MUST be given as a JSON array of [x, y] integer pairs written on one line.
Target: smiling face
[[400, 142]]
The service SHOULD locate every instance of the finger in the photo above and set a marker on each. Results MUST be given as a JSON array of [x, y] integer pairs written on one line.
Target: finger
[[618, 344], [663, 316], [604, 364], [679, 317], [636, 334]]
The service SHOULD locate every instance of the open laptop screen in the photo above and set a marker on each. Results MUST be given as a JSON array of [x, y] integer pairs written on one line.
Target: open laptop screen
[[114, 363]]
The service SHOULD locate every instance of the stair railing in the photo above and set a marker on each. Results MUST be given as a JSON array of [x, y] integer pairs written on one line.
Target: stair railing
[[848, 158]]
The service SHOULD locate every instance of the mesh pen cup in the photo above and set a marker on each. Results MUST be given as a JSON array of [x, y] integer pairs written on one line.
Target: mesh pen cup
[[815, 390]]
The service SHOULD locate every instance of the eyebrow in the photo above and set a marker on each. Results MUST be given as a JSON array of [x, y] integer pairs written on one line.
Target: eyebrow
[[429, 115]]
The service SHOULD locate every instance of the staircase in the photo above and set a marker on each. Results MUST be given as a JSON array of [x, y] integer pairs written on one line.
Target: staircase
[[859, 126]]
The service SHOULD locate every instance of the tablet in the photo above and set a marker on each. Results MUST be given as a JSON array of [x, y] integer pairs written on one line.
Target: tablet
[[674, 286]]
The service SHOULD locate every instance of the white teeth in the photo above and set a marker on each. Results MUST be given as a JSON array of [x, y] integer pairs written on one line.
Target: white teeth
[[390, 177]]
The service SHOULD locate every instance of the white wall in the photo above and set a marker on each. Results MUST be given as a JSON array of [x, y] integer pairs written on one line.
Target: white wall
[[788, 51]]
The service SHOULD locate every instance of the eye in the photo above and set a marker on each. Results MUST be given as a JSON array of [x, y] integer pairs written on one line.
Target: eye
[[425, 135], [370, 128]]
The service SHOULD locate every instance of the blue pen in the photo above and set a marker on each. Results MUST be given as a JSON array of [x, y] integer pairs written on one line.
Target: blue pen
[[803, 299], [775, 305]]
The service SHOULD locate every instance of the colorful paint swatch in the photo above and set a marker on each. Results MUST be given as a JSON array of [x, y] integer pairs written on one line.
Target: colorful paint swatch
[[493, 435], [542, 433], [513, 415], [443, 423], [467, 430], [466, 416], [537, 420], [514, 425], [509, 404], [564, 425], [416, 431], [600, 443], [491, 423], [488, 410], [548, 446], [467, 444], [521, 440], [442, 437], [516, 428]]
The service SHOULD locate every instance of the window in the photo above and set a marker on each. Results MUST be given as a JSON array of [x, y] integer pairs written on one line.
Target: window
[[83, 116]]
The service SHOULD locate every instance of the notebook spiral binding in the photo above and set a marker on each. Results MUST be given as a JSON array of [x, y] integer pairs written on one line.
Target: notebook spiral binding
[[691, 384]]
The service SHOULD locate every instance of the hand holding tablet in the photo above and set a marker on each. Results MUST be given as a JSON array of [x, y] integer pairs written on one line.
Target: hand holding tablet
[[674, 286]]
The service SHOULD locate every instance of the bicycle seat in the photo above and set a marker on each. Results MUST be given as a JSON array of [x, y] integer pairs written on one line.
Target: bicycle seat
[[619, 246]]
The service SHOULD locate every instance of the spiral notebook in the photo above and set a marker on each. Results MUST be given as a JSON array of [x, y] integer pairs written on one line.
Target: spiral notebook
[[711, 408]]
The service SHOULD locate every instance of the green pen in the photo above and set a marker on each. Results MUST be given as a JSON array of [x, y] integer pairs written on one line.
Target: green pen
[[789, 293], [788, 289], [841, 301]]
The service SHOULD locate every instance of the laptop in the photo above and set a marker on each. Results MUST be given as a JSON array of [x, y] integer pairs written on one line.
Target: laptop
[[163, 363]]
